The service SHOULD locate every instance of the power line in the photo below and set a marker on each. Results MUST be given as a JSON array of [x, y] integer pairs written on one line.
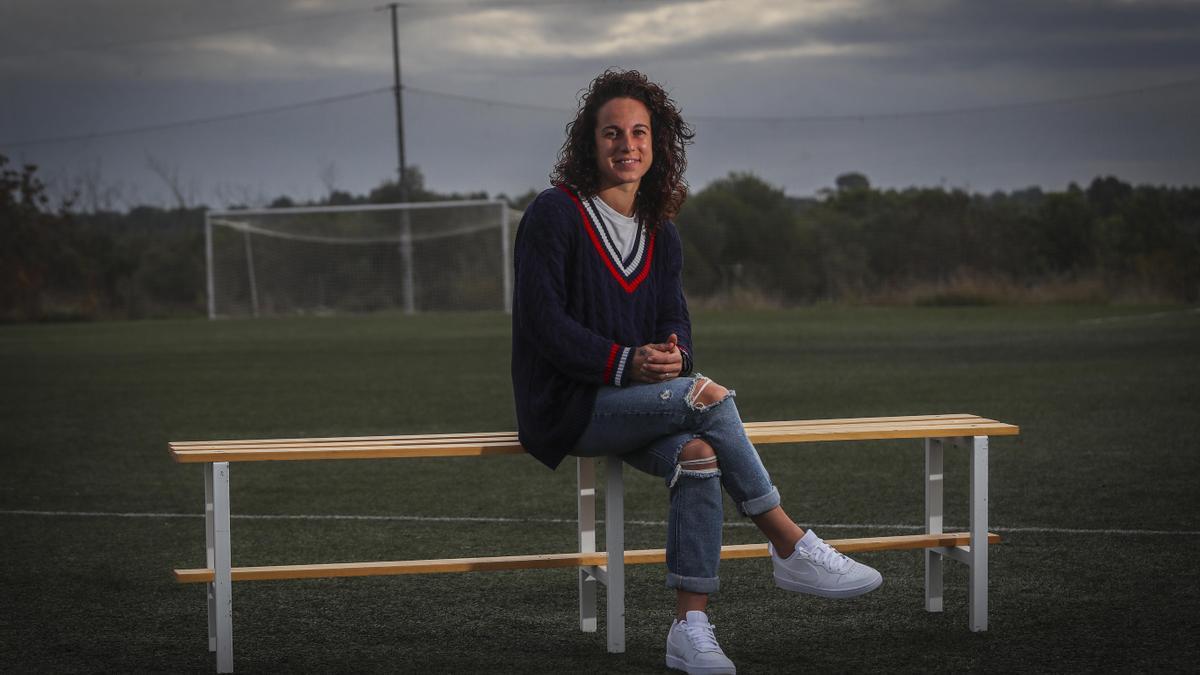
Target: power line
[[544, 108], [945, 112], [196, 120], [849, 117], [488, 101]]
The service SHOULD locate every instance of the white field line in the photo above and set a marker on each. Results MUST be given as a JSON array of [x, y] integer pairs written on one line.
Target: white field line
[[1134, 317], [572, 521]]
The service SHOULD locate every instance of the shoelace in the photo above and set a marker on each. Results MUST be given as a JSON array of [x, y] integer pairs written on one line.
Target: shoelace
[[829, 557], [703, 638]]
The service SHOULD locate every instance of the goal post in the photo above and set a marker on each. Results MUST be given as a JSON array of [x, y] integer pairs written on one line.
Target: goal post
[[409, 257]]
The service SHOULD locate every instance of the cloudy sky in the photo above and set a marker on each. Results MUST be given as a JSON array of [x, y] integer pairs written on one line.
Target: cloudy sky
[[978, 95]]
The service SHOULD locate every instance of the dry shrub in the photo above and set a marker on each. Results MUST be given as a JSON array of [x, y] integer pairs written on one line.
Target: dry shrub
[[963, 289], [966, 288], [738, 298]]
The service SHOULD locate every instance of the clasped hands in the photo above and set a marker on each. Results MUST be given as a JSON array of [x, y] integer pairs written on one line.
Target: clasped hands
[[657, 362]]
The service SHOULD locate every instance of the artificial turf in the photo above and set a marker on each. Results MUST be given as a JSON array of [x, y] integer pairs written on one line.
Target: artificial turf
[[1096, 499]]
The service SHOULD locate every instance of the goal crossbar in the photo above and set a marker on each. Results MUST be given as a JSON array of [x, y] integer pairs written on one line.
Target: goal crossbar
[[394, 206]]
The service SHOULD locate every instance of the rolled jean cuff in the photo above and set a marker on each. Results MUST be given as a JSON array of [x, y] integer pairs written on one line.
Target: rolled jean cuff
[[693, 584], [760, 505]]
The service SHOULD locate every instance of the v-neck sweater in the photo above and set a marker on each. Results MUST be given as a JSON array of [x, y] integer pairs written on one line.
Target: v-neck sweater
[[578, 315]]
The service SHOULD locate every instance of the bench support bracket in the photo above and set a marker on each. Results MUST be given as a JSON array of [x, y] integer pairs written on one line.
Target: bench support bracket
[[597, 573], [960, 553]]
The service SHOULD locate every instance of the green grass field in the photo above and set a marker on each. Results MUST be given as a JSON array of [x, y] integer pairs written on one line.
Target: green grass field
[[1096, 500]]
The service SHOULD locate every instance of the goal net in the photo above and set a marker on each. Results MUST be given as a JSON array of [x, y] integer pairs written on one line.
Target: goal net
[[415, 257]]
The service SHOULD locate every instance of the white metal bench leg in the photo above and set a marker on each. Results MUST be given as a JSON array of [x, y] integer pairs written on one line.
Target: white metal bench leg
[[934, 454], [614, 535], [221, 605], [210, 556], [586, 473], [978, 579]]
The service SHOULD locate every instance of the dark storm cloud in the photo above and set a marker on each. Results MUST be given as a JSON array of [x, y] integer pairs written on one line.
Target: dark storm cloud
[[227, 40], [289, 38], [966, 35], [71, 68], [1045, 34], [136, 39], [947, 36]]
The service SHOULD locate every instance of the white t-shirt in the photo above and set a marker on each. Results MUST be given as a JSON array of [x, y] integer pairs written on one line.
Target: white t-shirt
[[621, 228]]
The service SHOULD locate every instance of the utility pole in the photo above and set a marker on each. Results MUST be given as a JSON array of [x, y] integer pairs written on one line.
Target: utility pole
[[399, 98], [406, 247]]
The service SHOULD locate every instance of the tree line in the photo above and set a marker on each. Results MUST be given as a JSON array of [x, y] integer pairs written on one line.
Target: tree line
[[745, 242]]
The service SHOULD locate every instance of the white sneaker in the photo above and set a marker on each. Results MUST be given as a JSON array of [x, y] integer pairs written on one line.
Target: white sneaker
[[816, 568], [692, 647]]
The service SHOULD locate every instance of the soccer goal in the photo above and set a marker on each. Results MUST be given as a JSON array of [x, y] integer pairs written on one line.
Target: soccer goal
[[413, 257]]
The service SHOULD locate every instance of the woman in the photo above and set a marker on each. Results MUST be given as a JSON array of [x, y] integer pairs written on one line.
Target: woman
[[602, 359]]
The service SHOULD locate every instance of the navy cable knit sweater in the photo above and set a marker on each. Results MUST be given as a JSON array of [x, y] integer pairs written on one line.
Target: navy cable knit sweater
[[577, 317]]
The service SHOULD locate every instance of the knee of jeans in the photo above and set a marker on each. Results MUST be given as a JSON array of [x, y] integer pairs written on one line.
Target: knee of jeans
[[697, 459], [705, 393]]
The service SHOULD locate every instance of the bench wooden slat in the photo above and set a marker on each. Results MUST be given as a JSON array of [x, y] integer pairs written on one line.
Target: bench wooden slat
[[755, 431], [343, 439], [553, 560], [509, 438], [774, 434], [882, 432], [350, 452], [512, 435], [505, 443], [854, 420], [508, 448]]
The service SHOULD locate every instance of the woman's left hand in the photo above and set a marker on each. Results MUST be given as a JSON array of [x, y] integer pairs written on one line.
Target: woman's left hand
[[657, 362]]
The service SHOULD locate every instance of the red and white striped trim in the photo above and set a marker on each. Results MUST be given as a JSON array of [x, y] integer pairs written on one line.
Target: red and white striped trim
[[687, 358], [614, 367], [631, 285], [639, 244], [621, 363]]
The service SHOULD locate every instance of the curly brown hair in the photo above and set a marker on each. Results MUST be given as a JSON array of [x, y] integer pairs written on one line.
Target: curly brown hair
[[663, 188]]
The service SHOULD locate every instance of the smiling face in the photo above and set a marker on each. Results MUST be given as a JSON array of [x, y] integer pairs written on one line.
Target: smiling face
[[624, 148]]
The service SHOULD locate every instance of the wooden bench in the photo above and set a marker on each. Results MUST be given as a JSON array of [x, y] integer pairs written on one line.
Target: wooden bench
[[968, 432]]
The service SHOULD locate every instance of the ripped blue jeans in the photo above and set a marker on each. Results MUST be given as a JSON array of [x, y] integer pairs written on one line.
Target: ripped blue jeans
[[647, 425]]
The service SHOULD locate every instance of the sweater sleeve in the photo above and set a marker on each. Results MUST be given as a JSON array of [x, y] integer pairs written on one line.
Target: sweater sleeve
[[542, 253], [673, 314]]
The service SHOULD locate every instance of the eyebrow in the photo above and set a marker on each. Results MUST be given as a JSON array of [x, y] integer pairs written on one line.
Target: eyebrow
[[618, 127]]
